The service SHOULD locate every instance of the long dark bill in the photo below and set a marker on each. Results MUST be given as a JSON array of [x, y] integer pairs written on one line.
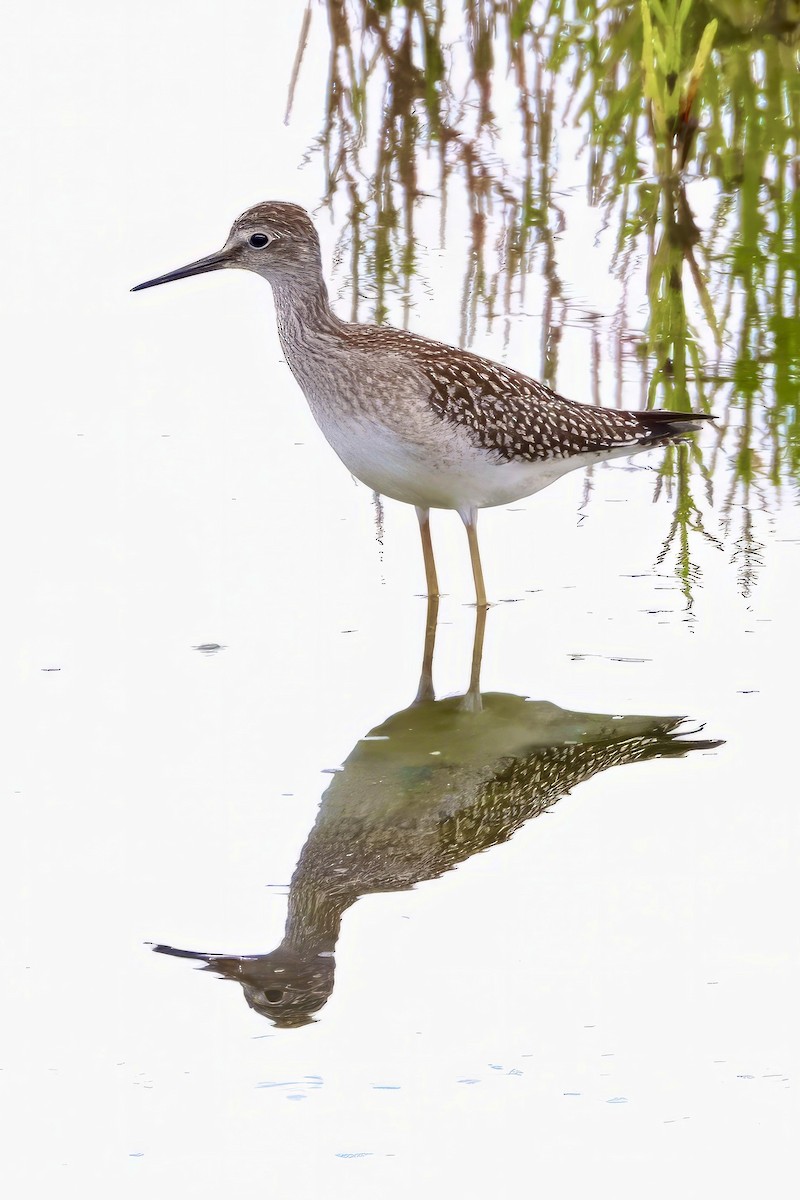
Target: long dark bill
[[212, 263]]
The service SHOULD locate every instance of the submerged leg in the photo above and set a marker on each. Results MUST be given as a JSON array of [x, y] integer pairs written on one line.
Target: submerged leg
[[472, 701], [477, 651], [470, 518], [425, 690], [432, 583]]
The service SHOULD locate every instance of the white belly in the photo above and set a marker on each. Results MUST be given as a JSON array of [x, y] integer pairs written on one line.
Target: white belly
[[444, 471]]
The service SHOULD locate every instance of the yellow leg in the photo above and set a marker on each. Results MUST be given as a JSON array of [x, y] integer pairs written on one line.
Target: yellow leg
[[432, 583], [470, 519]]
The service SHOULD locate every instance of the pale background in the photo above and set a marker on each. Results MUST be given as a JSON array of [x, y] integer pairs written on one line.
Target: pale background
[[618, 982]]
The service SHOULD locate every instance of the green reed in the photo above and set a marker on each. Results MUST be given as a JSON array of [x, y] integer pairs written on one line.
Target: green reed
[[670, 96]]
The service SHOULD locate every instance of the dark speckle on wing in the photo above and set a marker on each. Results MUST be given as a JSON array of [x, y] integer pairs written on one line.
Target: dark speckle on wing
[[520, 419], [511, 415]]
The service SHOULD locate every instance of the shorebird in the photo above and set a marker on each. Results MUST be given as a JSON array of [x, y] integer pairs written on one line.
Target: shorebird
[[417, 420]]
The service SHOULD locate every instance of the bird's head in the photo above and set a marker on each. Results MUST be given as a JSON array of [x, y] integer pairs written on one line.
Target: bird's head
[[275, 239], [284, 985]]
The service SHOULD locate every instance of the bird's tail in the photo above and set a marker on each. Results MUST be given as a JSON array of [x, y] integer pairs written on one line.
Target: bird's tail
[[664, 425]]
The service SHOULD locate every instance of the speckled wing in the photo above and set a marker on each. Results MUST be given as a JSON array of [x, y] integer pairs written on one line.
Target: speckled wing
[[521, 420]]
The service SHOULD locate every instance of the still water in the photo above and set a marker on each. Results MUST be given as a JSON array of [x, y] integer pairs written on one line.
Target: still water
[[504, 904]]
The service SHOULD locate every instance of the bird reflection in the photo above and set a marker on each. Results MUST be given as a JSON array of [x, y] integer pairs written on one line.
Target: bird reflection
[[420, 793]]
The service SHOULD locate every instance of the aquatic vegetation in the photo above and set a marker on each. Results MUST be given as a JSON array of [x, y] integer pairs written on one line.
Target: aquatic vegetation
[[683, 107]]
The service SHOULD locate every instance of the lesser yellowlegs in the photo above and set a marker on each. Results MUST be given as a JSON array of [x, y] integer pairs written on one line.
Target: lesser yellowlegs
[[416, 420]]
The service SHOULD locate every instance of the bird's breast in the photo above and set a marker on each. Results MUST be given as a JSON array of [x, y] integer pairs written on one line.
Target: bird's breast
[[376, 414]]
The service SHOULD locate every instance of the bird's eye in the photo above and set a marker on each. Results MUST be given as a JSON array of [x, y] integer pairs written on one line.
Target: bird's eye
[[259, 240], [273, 995]]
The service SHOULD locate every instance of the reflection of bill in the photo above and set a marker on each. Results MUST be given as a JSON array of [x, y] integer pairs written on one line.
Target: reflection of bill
[[420, 793]]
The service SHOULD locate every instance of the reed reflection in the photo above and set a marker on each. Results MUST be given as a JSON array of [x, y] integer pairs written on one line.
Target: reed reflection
[[420, 793], [682, 107]]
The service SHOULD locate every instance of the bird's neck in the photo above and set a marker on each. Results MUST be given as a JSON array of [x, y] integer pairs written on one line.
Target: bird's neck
[[304, 312], [315, 915]]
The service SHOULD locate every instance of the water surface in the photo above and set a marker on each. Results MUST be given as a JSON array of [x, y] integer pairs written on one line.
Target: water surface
[[532, 927]]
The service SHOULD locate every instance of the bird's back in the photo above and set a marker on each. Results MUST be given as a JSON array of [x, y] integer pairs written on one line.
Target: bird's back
[[438, 426]]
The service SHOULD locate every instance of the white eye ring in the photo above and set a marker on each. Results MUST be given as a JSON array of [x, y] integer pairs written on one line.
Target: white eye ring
[[258, 240]]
